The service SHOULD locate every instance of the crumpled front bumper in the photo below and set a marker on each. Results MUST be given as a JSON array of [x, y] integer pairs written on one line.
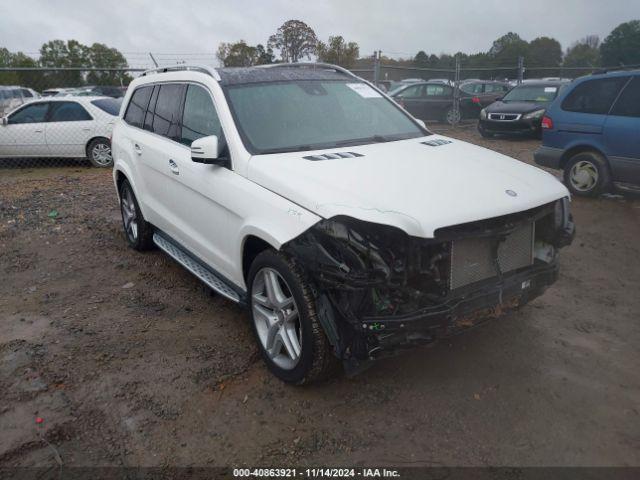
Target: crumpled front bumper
[[464, 308]]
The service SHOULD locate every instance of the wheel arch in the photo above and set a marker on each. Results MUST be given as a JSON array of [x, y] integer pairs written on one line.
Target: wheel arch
[[580, 148], [252, 245]]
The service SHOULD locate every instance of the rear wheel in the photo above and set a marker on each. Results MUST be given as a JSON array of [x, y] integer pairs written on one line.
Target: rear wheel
[[452, 116], [587, 174], [99, 153], [138, 231], [284, 320]]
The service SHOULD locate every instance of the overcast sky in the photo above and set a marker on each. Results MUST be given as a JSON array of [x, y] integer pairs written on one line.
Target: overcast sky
[[398, 28]]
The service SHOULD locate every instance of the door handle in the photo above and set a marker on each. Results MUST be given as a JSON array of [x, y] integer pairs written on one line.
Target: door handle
[[38, 131], [137, 148], [173, 166], [86, 129]]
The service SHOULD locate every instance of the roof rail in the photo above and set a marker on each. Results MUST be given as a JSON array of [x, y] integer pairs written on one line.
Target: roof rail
[[179, 68], [311, 65], [601, 70]]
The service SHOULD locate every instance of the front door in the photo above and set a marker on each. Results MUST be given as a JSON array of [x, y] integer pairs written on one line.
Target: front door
[[24, 136]]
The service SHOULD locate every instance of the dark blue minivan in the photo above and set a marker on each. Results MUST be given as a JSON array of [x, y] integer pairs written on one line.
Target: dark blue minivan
[[592, 133]]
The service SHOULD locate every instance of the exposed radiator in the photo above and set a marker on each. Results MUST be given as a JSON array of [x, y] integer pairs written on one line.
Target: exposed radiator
[[472, 259]]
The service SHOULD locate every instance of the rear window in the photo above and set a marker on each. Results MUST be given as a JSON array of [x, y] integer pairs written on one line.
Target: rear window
[[109, 105], [594, 96], [68, 112], [628, 104], [138, 106]]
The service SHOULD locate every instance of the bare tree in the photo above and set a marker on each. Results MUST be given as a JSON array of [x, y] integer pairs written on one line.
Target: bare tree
[[295, 40]]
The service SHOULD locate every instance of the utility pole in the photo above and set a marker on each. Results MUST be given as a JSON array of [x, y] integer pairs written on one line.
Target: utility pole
[[520, 70], [456, 93], [376, 67], [153, 60]]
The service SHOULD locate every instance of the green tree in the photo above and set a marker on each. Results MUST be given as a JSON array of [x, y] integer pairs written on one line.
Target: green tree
[[544, 52], [622, 46], [421, 60], [265, 55], [295, 40], [506, 49], [100, 55], [338, 52], [583, 53]]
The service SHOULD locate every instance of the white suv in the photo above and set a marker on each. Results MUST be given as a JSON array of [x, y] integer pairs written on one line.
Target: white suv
[[345, 226]]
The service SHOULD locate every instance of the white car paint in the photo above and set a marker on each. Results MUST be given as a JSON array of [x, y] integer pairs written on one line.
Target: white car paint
[[211, 210], [55, 139]]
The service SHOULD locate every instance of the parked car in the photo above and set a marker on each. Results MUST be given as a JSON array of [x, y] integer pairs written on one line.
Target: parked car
[[13, 96], [592, 133], [345, 227], [393, 86], [78, 127], [434, 100], [478, 94], [520, 111], [51, 92]]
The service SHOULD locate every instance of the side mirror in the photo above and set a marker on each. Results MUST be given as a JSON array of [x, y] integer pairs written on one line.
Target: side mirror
[[205, 150], [498, 99], [421, 123]]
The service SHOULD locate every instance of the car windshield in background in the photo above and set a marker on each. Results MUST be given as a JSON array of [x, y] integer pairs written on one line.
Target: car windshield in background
[[306, 115], [532, 93], [109, 105]]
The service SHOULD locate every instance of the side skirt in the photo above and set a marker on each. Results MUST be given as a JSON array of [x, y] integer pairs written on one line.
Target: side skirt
[[197, 267]]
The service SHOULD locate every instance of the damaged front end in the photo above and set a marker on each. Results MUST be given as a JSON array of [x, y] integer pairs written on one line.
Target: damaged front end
[[379, 289]]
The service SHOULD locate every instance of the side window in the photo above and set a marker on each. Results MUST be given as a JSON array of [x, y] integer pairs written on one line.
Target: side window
[[68, 112], [16, 93], [628, 103], [414, 91], [167, 112], [594, 96], [148, 119], [32, 113], [138, 106], [199, 118], [26, 93]]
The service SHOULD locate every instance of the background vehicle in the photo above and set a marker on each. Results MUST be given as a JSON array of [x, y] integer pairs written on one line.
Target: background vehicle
[[520, 111], [11, 97], [434, 100], [77, 127], [308, 195], [50, 92], [592, 133]]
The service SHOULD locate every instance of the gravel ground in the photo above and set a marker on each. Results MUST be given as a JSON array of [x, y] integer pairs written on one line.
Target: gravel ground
[[127, 360]]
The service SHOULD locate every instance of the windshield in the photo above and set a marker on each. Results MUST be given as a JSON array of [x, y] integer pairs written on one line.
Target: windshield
[[532, 93], [307, 115]]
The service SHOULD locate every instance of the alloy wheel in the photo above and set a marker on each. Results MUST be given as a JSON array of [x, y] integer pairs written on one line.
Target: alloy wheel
[[583, 176], [129, 216], [101, 154], [276, 318]]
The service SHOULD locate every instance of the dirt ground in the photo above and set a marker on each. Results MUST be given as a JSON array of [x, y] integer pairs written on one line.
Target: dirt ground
[[128, 360]]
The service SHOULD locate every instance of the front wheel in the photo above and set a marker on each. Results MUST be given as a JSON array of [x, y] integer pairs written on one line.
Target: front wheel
[[99, 153], [587, 174], [284, 320]]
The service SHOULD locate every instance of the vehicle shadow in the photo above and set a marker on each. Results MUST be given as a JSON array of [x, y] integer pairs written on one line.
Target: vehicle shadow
[[7, 163]]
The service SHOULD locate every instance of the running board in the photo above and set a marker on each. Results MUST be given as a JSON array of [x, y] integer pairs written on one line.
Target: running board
[[196, 267]]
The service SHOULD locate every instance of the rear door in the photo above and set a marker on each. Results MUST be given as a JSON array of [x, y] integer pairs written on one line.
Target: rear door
[[438, 99], [68, 130], [24, 135], [622, 135]]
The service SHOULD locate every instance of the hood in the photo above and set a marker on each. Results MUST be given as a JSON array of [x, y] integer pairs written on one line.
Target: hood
[[407, 184], [515, 107]]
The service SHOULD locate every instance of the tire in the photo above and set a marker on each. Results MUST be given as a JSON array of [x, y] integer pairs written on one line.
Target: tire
[[294, 347], [587, 174], [450, 116], [137, 231], [99, 153]]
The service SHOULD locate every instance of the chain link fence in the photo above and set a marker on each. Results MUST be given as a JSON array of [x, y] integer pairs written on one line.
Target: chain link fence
[[31, 138]]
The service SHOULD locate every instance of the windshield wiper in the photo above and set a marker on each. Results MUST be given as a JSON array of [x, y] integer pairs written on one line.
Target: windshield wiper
[[361, 141]]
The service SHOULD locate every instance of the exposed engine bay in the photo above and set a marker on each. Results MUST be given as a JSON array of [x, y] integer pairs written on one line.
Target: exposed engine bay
[[379, 289]]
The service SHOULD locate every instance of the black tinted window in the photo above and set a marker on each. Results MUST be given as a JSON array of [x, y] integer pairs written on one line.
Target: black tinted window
[[26, 93], [199, 118], [594, 96], [628, 103], [148, 119], [138, 106], [34, 113], [16, 93], [109, 105], [68, 112], [167, 112]]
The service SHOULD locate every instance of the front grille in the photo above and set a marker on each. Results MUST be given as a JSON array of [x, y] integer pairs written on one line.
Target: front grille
[[472, 259], [504, 117]]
